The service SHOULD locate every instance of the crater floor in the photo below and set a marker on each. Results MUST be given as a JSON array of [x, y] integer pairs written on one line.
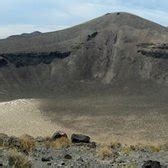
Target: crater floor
[[129, 119]]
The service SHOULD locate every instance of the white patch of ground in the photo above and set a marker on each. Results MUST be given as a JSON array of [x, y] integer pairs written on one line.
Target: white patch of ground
[[23, 117]]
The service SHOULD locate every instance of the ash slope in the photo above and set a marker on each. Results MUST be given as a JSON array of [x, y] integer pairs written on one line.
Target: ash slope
[[115, 49]]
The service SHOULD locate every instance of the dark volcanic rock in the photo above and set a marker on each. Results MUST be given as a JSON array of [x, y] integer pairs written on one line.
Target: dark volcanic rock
[[79, 138], [3, 63], [1, 163], [93, 35], [27, 59], [151, 164], [79, 155], [46, 159], [155, 54], [67, 156], [58, 134], [159, 51]]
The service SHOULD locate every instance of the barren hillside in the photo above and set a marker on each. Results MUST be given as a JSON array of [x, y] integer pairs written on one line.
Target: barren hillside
[[91, 78], [117, 48]]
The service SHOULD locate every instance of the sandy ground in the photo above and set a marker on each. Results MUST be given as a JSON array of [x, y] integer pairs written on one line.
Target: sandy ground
[[126, 119], [23, 117]]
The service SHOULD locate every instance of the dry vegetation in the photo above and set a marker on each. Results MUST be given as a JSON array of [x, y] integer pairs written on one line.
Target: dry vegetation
[[151, 148], [62, 142], [126, 149], [28, 143], [18, 160], [104, 151], [115, 144], [133, 165], [18, 155]]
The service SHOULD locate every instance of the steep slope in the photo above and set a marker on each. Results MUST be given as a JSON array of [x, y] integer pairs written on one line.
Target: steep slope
[[115, 49]]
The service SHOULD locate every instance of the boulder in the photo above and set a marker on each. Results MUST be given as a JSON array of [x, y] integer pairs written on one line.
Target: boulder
[[79, 138], [151, 164], [58, 135]]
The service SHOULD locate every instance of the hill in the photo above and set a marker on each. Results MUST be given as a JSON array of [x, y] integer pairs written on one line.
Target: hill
[[115, 48], [107, 78]]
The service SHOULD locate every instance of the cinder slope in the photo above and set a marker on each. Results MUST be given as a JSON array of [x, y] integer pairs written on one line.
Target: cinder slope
[[117, 48]]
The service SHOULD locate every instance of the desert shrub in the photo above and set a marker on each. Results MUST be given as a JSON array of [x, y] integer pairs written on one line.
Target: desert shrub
[[47, 144], [104, 151], [62, 142], [28, 143], [164, 147], [18, 160], [140, 147], [47, 138], [115, 144], [131, 165], [126, 149], [152, 148]]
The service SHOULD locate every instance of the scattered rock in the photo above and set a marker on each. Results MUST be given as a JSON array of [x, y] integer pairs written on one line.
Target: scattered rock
[[14, 142], [80, 159], [92, 145], [1, 164], [82, 153], [60, 164], [67, 156], [79, 138], [49, 163], [58, 135], [151, 164], [46, 159]]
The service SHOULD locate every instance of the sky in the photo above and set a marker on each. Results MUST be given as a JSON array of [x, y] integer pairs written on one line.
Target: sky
[[25, 16]]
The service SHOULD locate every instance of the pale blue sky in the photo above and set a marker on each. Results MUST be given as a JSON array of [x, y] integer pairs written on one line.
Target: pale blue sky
[[18, 16]]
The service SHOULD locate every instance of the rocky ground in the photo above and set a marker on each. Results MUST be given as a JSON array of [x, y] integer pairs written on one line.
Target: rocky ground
[[60, 151]]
